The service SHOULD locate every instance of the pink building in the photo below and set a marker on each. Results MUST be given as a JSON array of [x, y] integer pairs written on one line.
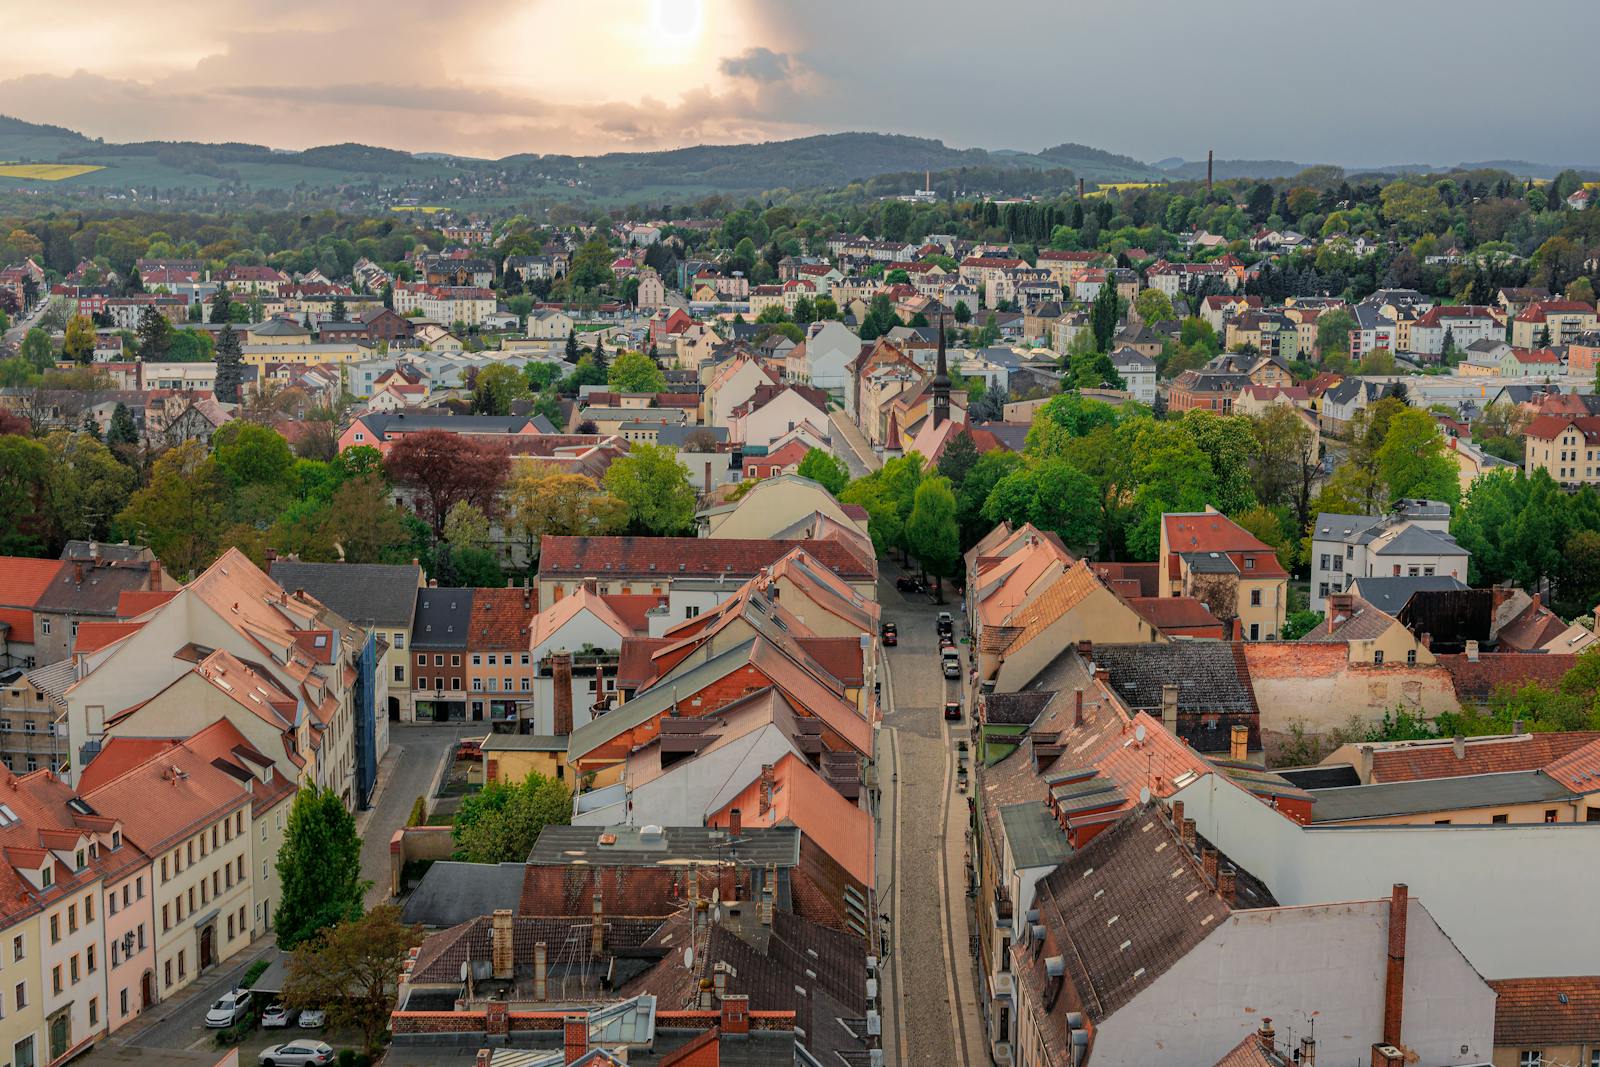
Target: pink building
[[129, 908]]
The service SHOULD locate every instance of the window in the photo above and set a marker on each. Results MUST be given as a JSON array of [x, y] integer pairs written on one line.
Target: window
[[1500, 818], [1349, 553], [477, 685], [1411, 657], [455, 660], [163, 870], [1249, 563], [55, 978], [47, 877], [1531, 1058], [1255, 631], [44, 626], [525, 659], [422, 659], [116, 841], [399, 672], [72, 966], [166, 921], [88, 959], [399, 641], [1255, 598], [55, 929], [1377, 657], [477, 660], [438, 659], [1550, 815], [122, 1001], [1324, 562], [168, 973], [455, 683], [16, 948], [1338, 564], [88, 908], [183, 970], [22, 995], [1322, 590]]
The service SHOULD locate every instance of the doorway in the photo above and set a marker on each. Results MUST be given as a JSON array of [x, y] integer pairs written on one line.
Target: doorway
[[147, 991], [207, 935]]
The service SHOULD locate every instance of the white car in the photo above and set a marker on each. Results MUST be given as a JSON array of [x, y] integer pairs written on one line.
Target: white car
[[313, 1019], [229, 1009], [276, 1016], [296, 1054]]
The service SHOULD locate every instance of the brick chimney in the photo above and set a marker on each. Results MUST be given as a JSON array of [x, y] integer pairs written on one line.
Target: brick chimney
[[541, 967], [1169, 708], [1228, 885], [767, 784], [1208, 863], [735, 1015], [561, 697], [1387, 1056], [485, 1057], [597, 929], [500, 946], [1239, 744], [574, 1038], [735, 822], [1177, 813], [1394, 985], [1188, 834], [155, 576], [591, 586], [1267, 1036], [1077, 706]]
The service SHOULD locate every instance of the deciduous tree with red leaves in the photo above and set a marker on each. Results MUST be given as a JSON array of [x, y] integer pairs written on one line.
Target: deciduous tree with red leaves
[[442, 469]]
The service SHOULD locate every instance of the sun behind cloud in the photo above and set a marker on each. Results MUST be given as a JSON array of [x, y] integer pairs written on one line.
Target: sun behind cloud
[[679, 23]]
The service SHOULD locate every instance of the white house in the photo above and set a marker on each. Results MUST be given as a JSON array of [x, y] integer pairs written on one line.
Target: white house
[[1412, 541], [781, 413], [1138, 373], [579, 621], [830, 346]]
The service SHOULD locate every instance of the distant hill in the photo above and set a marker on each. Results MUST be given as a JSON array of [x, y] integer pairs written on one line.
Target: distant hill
[[886, 162]]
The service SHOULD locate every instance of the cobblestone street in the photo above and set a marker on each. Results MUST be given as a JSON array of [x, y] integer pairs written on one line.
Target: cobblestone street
[[922, 848]]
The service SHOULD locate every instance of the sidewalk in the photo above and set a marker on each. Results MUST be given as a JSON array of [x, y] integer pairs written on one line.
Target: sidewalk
[[174, 1022]]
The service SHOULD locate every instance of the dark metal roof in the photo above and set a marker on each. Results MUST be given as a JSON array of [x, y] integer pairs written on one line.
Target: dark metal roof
[[442, 618], [453, 892], [378, 593], [754, 846], [1208, 674], [1435, 795]]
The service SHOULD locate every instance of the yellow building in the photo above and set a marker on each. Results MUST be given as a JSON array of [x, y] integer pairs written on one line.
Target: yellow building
[[1208, 556], [511, 758], [339, 352]]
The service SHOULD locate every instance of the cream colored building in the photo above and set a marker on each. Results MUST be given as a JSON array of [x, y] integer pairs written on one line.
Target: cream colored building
[[773, 505]]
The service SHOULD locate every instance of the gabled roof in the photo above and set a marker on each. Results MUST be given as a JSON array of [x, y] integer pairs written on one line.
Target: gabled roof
[[1539, 1012], [550, 621], [1405, 761], [1210, 676], [23, 580], [680, 557], [172, 794], [378, 593], [801, 797]]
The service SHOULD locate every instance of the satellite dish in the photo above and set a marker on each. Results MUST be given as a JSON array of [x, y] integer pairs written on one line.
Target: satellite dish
[[1138, 733], [716, 894], [1144, 794], [688, 958]]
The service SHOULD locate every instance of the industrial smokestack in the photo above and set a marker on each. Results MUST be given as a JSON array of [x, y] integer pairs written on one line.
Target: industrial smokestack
[[1210, 165]]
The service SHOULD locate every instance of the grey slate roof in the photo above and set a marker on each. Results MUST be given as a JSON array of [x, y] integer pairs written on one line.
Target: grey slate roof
[[382, 422], [1415, 541], [675, 436], [755, 846], [453, 892], [1034, 836], [373, 593], [1210, 562], [1436, 794], [1390, 594], [1209, 675], [1332, 526], [442, 618]]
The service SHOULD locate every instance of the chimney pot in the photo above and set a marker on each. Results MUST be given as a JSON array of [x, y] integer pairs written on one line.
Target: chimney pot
[[1268, 1036], [1188, 834], [575, 1038], [1460, 746], [1516, 726]]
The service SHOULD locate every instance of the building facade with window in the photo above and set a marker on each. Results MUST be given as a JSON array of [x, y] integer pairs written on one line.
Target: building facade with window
[[439, 627], [29, 712], [500, 667], [1412, 541]]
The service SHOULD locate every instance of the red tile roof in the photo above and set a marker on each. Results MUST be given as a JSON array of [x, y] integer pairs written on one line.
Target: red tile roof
[[501, 619], [20, 620], [1476, 682], [800, 797], [134, 602], [683, 557], [1178, 615], [23, 581], [634, 608], [1548, 427], [1489, 755], [1210, 531], [1547, 1011], [94, 635], [175, 792]]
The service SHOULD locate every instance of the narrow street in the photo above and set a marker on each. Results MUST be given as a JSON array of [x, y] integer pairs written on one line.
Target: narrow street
[[932, 1010], [850, 446], [414, 753]]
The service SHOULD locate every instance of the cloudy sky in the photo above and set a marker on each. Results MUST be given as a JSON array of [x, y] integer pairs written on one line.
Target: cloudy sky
[[1358, 82]]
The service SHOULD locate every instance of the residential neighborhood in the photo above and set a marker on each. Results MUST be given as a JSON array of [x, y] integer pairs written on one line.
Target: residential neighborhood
[[681, 583]]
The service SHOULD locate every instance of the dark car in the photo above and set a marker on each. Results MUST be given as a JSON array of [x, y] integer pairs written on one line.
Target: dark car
[[907, 584], [952, 710], [891, 634]]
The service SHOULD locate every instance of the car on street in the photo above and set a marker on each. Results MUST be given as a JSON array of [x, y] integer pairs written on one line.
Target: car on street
[[296, 1054], [891, 634], [945, 622], [907, 584], [229, 1008], [313, 1019], [276, 1016], [952, 710], [952, 663]]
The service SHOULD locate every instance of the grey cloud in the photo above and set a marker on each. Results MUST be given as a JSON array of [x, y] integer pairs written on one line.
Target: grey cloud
[[759, 64]]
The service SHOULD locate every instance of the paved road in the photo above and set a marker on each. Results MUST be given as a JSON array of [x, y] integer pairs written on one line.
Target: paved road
[[849, 445], [21, 324], [414, 753], [934, 1017], [180, 1022]]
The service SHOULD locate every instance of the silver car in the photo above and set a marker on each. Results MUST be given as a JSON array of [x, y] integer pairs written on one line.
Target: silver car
[[313, 1019], [297, 1054], [229, 1009]]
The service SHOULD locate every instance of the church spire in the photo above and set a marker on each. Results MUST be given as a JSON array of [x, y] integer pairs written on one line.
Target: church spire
[[941, 382]]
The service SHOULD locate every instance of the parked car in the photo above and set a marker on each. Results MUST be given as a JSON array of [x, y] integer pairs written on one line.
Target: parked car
[[296, 1054], [891, 634], [313, 1019], [276, 1016], [907, 584], [946, 623], [952, 710], [952, 664], [229, 1008]]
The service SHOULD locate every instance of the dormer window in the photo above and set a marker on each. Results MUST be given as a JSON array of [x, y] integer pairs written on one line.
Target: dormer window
[[47, 877], [80, 859], [116, 840]]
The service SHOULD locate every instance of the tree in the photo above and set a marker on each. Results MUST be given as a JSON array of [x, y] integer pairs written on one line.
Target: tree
[[1300, 623], [337, 313], [542, 500], [37, 349], [572, 346], [319, 868], [1413, 462], [654, 485], [78, 345], [1333, 332], [24, 491], [635, 372], [931, 532], [475, 567], [230, 366], [1266, 527], [591, 265], [351, 970], [181, 513], [826, 469], [1152, 305], [1286, 462], [585, 373], [600, 359], [541, 376], [1104, 315], [88, 485], [466, 527], [496, 388], [222, 305], [963, 313], [123, 431], [501, 822], [155, 335], [959, 457], [1378, 361], [974, 490], [441, 469], [1229, 442]]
